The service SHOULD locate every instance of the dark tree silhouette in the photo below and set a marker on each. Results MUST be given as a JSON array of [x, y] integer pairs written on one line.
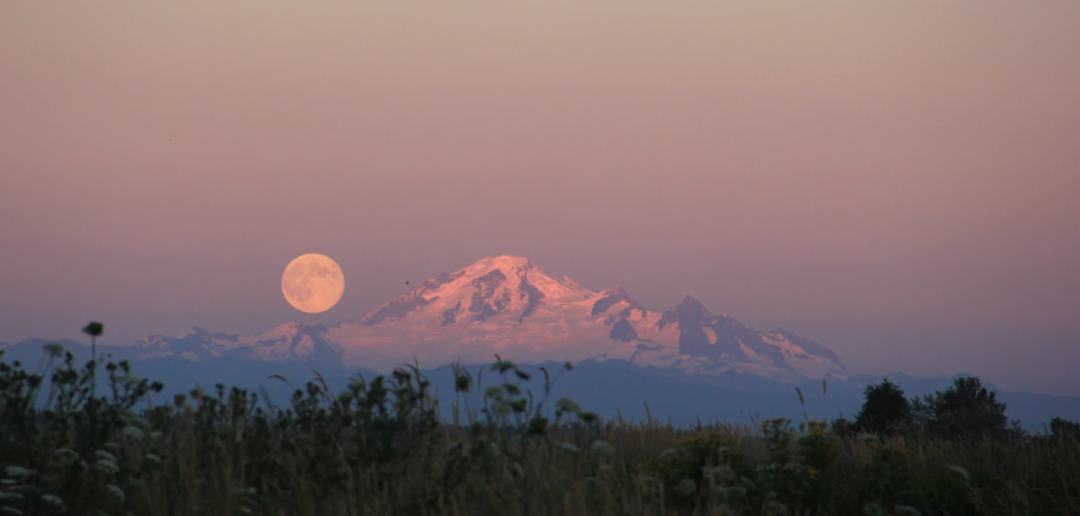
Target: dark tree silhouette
[[885, 410], [967, 409], [1064, 429]]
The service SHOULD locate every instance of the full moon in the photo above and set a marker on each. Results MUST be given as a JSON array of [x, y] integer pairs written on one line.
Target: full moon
[[313, 283]]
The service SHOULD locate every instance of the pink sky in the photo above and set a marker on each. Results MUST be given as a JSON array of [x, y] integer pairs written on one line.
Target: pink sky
[[897, 180]]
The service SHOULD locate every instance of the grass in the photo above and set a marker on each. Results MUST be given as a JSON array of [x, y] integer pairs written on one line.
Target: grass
[[380, 448]]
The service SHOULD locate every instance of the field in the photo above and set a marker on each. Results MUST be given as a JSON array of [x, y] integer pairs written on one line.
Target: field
[[74, 442]]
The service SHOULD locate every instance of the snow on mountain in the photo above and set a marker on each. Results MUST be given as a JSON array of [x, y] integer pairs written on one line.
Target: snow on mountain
[[689, 338], [508, 305], [287, 342]]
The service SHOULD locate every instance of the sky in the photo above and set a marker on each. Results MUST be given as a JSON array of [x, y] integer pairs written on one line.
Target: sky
[[897, 180]]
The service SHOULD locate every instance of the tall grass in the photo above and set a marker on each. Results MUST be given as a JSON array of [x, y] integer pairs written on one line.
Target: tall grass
[[379, 447]]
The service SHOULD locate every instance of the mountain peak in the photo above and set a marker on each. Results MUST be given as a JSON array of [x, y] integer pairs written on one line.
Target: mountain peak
[[614, 296], [691, 301], [490, 286], [289, 327], [508, 261]]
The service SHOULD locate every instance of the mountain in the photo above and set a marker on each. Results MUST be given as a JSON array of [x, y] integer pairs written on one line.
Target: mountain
[[290, 342], [508, 305], [678, 363]]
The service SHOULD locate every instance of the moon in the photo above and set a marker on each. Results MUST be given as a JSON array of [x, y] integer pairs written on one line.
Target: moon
[[313, 283]]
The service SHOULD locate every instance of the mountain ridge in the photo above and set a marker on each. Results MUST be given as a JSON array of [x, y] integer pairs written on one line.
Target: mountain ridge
[[509, 305]]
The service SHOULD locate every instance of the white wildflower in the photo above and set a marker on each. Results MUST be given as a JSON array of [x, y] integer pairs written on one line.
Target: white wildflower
[[116, 492], [18, 471], [107, 466], [602, 447]]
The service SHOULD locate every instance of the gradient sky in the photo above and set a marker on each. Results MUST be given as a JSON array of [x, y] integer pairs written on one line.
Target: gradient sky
[[897, 180]]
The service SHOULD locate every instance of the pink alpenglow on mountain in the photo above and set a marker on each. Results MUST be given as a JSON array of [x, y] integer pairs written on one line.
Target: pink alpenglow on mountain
[[510, 306]]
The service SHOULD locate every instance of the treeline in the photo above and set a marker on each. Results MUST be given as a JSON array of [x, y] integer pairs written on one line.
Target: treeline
[[966, 410]]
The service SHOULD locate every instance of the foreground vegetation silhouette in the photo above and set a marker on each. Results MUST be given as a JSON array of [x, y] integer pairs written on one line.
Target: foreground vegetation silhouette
[[380, 447]]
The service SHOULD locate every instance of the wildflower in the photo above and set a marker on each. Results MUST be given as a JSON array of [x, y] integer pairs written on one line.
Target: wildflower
[[108, 467], [722, 474], [94, 329], [538, 425], [686, 487], [133, 433], [874, 509], [104, 455], [116, 492], [775, 508], [731, 493], [494, 392], [503, 366], [961, 471], [462, 383], [570, 447], [53, 500], [567, 405], [54, 349], [748, 483], [602, 447], [18, 471]]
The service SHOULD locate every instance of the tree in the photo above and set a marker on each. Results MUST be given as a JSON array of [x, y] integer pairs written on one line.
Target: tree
[[885, 410], [1064, 429], [967, 409]]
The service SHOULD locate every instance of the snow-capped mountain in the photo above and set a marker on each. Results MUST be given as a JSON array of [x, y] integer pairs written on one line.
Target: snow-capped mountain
[[510, 306], [290, 342]]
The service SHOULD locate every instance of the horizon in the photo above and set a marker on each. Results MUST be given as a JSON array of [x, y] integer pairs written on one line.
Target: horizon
[[896, 182]]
